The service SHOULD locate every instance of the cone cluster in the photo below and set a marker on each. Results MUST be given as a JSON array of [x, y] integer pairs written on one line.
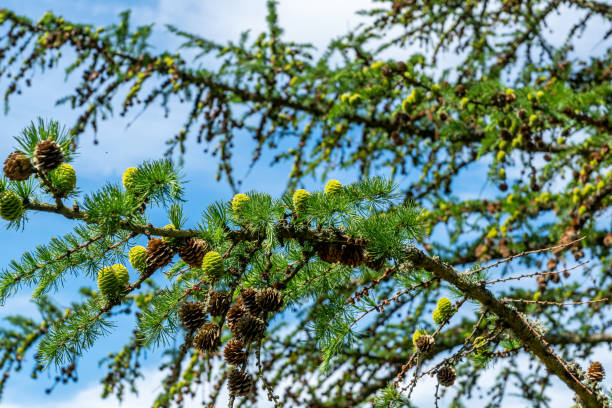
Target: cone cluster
[[192, 315], [192, 252], [48, 155], [17, 166], [11, 206], [159, 254]]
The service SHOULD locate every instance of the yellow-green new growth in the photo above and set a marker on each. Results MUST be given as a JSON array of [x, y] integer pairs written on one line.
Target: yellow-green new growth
[[212, 264], [64, 178], [416, 335], [128, 177], [300, 199], [238, 202], [11, 206], [332, 187], [138, 258]]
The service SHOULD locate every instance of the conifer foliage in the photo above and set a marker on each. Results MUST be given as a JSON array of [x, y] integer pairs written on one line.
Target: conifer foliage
[[345, 294]]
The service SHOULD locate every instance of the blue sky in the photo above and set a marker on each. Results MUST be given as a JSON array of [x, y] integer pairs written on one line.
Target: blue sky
[[314, 21]]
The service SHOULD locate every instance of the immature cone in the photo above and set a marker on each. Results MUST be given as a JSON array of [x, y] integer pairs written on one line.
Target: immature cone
[[234, 314], [445, 306], [138, 258], [332, 187], [64, 178], [596, 372], [212, 264], [208, 337], [17, 166], [437, 316], [217, 303], [159, 254], [425, 343], [128, 177], [238, 202], [250, 329], [112, 281], [11, 206], [234, 352], [249, 301], [48, 155], [122, 275], [300, 199], [239, 383], [269, 299], [191, 315], [192, 252], [446, 376]]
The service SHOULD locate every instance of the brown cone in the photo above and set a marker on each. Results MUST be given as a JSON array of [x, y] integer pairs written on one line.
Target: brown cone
[[249, 301], [159, 254], [425, 343], [217, 303], [596, 372], [192, 316], [330, 253], [234, 314], [48, 155], [250, 329], [17, 166], [346, 254], [208, 337], [269, 299], [234, 352], [192, 251], [446, 376], [239, 383]]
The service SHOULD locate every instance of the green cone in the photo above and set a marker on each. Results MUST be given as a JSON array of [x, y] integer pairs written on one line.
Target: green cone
[[300, 198], [212, 264], [238, 202], [64, 178], [138, 258], [11, 206], [332, 187]]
